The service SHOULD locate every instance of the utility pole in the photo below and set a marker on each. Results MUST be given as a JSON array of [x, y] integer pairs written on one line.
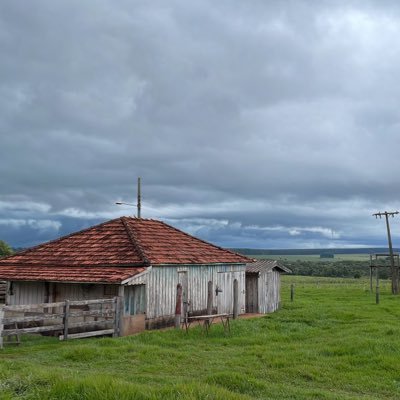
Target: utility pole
[[394, 270], [139, 198]]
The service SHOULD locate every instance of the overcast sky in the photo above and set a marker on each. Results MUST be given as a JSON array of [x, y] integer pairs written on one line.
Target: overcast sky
[[252, 123]]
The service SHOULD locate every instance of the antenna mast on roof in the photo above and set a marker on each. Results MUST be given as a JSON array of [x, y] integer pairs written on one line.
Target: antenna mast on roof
[[139, 200]]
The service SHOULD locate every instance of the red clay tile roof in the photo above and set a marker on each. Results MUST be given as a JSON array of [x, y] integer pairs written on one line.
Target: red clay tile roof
[[70, 274], [124, 243]]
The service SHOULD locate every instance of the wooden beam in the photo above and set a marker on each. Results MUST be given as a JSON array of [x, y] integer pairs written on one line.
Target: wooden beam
[[26, 307], [8, 332], [88, 334]]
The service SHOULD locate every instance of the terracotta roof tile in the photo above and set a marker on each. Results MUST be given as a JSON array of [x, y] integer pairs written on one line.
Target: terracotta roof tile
[[70, 274], [122, 242]]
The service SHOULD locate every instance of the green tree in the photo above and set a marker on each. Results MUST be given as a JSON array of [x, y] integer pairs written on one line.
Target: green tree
[[5, 249]]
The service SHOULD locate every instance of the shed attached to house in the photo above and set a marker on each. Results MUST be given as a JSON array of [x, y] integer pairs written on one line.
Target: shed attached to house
[[263, 286], [141, 260]]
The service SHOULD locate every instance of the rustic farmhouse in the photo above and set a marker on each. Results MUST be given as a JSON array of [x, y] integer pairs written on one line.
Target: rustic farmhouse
[[263, 286], [141, 260]]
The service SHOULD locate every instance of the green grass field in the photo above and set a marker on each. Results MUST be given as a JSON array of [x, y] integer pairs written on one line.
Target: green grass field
[[332, 342]]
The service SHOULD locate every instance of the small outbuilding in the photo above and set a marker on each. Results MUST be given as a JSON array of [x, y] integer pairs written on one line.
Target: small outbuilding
[[140, 260], [263, 286]]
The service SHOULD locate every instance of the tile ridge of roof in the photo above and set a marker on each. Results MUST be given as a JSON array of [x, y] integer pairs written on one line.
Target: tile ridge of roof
[[204, 241], [33, 248], [134, 240]]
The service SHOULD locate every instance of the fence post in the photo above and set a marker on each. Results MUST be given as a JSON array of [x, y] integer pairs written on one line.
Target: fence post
[[1, 326], [178, 306], [120, 316], [66, 317], [210, 298], [291, 292], [235, 299], [117, 316], [377, 286]]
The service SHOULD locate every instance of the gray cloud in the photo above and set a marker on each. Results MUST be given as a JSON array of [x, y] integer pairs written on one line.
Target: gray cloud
[[251, 123]]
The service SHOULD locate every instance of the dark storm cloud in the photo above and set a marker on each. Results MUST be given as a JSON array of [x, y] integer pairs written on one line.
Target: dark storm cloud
[[251, 123]]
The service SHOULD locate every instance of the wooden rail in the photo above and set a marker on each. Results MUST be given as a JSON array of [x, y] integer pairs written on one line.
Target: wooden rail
[[62, 316]]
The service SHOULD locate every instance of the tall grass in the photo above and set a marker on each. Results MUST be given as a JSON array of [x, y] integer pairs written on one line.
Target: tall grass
[[332, 342]]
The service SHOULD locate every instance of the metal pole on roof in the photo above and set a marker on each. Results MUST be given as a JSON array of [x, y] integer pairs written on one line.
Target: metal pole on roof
[[139, 200]]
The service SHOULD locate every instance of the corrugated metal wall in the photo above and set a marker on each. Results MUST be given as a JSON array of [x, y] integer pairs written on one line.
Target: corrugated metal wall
[[161, 285], [269, 291]]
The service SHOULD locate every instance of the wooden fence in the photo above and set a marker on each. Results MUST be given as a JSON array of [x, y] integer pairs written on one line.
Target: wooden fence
[[67, 319]]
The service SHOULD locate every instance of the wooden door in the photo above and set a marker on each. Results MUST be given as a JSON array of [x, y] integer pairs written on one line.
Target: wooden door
[[251, 293], [134, 318], [135, 299]]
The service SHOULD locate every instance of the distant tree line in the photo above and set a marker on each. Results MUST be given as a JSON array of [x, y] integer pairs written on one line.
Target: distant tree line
[[344, 269], [305, 252]]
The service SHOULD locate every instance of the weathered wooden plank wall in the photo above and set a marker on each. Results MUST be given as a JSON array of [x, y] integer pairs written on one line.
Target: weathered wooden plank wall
[[252, 300], [26, 293], [160, 288], [39, 292], [269, 291], [161, 285]]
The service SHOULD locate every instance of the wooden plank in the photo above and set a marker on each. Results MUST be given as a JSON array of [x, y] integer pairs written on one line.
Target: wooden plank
[[88, 334], [199, 317], [44, 317], [210, 296], [32, 318], [66, 318], [8, 332], [88, 323], [235, 298], [87, 302], [26, 307], [104, 313], [117, 315]]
